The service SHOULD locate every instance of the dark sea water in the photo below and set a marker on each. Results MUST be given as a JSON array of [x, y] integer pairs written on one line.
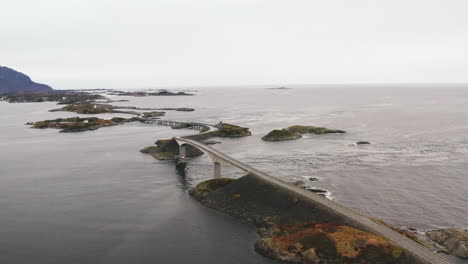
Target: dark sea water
[[91, 197]]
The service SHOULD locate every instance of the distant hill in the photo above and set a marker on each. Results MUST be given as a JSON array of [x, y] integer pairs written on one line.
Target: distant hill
[[12, 81]]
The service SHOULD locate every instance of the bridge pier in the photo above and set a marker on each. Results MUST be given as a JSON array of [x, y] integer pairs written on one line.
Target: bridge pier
[[217, 170], [182, 152]]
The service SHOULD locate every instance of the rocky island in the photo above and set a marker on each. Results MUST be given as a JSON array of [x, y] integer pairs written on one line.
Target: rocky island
[[158, 93], [293, 229], [295, 132], [280, 135], [78, 124], [228, 130], [168, 149], [93, 108]]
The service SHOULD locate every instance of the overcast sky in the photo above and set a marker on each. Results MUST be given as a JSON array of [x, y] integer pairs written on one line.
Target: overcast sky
[[158, 43]]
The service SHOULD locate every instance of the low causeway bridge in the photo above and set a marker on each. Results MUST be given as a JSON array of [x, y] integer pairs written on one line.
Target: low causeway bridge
[[219, 158]]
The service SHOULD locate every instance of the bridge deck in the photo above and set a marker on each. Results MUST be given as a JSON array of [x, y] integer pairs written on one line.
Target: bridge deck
[[417, 249]]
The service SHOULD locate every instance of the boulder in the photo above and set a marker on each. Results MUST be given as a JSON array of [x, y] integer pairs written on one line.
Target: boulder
[[362, 143], [455, 240]]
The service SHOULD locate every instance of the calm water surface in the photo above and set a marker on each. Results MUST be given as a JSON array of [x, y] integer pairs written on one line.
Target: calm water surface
[[91, 197]]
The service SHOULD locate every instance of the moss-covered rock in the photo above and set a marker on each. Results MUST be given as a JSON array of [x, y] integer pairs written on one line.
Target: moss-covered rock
[[228, 130], [280, 135], [295, 132], [77, 124], [363, 143], [314, 130], [85, 108], [153, 114], [168, 149], [164, 155], [327, 243], [150, 150], [204, 189]]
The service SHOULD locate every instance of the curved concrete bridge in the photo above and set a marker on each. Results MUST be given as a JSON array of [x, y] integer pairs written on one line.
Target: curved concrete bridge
[[220, 158]]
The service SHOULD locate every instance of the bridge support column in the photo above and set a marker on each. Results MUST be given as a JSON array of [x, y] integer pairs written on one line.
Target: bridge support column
[[182, 152], [217, 170]]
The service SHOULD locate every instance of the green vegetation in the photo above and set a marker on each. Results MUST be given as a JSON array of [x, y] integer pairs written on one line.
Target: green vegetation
[[283, 134], [77, 124], [295, 132], [84, 108], [63, 97], [164, 155], [150, 150], [314, 130], [168, 149], [204, 189], [228, 130], [153, 114]]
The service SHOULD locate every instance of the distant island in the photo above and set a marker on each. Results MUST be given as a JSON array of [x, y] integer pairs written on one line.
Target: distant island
[[295, 132], [158, 93], [12, 81]]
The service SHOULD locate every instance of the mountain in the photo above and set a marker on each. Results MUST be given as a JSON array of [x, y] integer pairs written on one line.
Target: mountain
[[12, 81]]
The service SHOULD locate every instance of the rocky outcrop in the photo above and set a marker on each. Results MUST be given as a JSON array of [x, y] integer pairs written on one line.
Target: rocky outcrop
[[296, 230], [295, 132], [454, 241], [12, 81], [168, 149], [228, 130], [314, 130], [280, 135], [363, 143], [204, 189], [77, 124], [85, 108], [211, 142], [326, 243], [158, 93]]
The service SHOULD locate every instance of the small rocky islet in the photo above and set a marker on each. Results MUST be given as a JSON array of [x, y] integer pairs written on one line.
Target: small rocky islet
[[168, 149], [81, 102], [296, 132]]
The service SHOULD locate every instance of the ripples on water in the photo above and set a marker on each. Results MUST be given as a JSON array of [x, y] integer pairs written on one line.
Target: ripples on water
[[95, 192], [413, 173]]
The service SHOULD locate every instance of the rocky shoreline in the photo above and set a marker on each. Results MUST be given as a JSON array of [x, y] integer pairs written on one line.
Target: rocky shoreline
[[292, 229]]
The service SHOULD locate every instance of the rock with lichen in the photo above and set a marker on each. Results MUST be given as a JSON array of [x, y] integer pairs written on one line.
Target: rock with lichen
[[295, 132], [204, 189], [296, 230], [314, 130], [280, 135], [228, 130], [78, 124], [168, 149], [454, 241], [328, 243]]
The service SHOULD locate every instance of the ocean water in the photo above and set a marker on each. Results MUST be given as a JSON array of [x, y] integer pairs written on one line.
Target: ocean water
[[91, 197]]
